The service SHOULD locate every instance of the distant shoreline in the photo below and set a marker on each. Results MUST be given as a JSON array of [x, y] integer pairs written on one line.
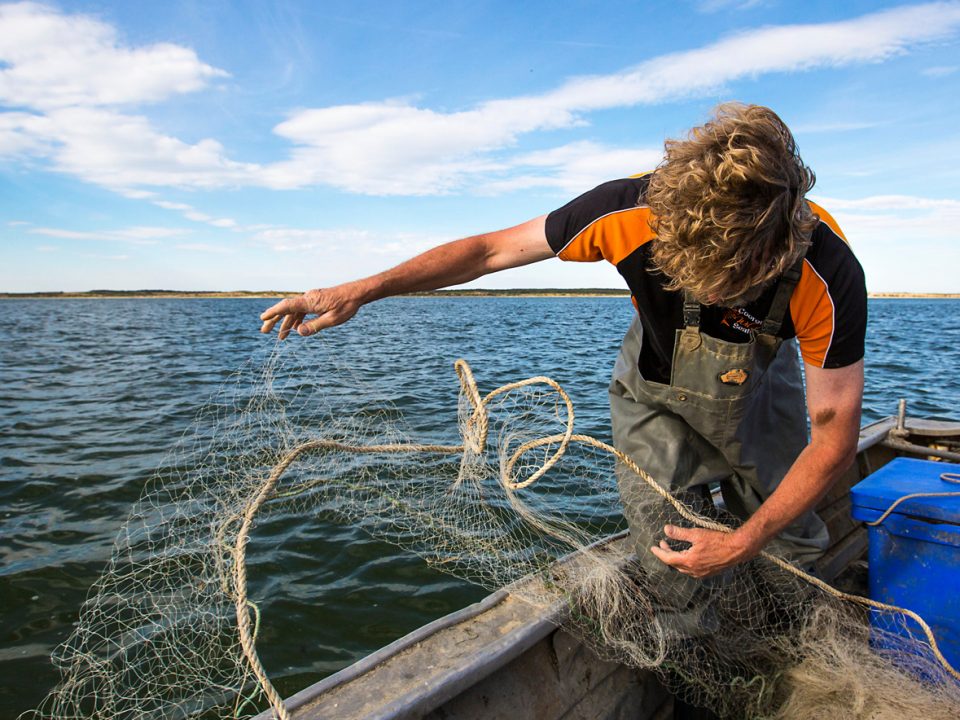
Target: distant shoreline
[[269, 294]]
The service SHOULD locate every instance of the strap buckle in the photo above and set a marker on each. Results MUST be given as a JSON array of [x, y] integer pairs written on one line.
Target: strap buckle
[[691, 311]]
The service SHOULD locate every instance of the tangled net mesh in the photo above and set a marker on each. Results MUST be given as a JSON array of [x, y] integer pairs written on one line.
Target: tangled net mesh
[[169, 631]]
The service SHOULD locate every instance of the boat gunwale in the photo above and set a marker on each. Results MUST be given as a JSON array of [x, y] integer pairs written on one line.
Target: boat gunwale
[[495, 655]]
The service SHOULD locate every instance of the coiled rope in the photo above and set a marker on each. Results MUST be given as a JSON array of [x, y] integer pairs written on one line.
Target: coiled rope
[[474, 440]]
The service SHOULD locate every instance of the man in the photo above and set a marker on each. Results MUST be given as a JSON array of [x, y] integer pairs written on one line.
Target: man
[[727, 263]]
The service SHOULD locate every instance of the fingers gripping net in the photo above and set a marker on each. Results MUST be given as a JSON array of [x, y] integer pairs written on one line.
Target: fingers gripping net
[[169, 630]]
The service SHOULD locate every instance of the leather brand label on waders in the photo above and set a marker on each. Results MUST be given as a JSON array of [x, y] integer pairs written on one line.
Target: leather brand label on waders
[[737, 376]]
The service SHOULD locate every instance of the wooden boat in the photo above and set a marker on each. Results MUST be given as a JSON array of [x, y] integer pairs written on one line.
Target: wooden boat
[[502, 658]]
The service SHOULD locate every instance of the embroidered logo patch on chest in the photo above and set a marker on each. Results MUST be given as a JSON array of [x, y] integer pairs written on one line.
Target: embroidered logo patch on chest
[[739, 319], [736, 376]]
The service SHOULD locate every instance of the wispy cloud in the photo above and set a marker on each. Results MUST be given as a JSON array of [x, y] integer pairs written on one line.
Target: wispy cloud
[[356, 242], [904, 242], [712, 6], [167, 205], [574, 167], [580, 44], [895, 217], [940, 71], [894, 203], [73, 85], [191, 213], [835, 126], [299, 240], [139, 235], [204, 248], [209, 219]]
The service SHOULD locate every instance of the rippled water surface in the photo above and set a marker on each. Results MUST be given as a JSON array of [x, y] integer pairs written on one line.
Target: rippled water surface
[[96, 392]]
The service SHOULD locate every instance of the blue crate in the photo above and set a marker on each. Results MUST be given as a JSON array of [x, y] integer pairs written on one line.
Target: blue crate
[[914, 554]]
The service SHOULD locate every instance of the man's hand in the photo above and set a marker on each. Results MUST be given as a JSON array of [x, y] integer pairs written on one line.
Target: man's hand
[[332, 306], [710, 551]]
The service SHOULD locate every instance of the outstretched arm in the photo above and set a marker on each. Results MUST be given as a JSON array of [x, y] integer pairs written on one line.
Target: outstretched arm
[[453, 263], [834, 398]]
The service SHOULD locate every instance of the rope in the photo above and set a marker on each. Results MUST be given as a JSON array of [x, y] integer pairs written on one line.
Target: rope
[[946, 477], [475, 439]]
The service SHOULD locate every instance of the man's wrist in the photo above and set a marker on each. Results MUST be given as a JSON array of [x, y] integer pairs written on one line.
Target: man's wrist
[[747, 543], [362, 291]]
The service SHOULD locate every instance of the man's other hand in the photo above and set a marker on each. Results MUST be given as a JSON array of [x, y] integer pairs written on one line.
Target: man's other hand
[[710, 552], [332, 306]]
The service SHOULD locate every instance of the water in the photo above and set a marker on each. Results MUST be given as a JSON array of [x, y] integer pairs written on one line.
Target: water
[[95, 392]]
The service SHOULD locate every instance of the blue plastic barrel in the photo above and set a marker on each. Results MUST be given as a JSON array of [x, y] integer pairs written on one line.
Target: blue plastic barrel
[[914, 554]]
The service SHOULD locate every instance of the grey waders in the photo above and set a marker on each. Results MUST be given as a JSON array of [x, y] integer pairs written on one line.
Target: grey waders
[[733, 414]]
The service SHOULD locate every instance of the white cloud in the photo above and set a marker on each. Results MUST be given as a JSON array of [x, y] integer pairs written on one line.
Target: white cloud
[[388, 148], [55, 61], [395, 148], [24, 134], [76, 79], [139, 235], [119, 151], [123, 151], [69, 78], [574, 168]]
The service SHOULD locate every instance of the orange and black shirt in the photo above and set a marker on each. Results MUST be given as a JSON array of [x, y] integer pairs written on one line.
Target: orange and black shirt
[[828, 309]]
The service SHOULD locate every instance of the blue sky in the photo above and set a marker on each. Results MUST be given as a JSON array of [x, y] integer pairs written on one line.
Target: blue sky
[[288, 145]]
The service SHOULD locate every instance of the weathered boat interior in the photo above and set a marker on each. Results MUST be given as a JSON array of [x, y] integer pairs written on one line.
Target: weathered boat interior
[[502, 658]]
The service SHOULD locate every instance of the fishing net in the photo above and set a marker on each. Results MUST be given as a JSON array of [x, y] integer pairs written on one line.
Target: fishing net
[[496, 494]]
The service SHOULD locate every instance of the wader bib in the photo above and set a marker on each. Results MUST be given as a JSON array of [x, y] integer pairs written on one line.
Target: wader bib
[[733, 413]]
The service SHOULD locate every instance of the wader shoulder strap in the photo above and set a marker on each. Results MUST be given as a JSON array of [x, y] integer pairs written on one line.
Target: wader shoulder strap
[[781, 301], [691, 311]]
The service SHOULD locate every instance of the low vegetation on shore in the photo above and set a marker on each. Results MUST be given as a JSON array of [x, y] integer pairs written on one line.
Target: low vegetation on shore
[[480, 292]]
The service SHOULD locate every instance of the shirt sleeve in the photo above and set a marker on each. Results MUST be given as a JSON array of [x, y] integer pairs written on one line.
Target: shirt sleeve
[[593, 226], [829, 306]]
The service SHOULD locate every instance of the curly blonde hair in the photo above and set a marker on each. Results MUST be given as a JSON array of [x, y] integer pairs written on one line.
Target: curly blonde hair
[[728, 207]]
